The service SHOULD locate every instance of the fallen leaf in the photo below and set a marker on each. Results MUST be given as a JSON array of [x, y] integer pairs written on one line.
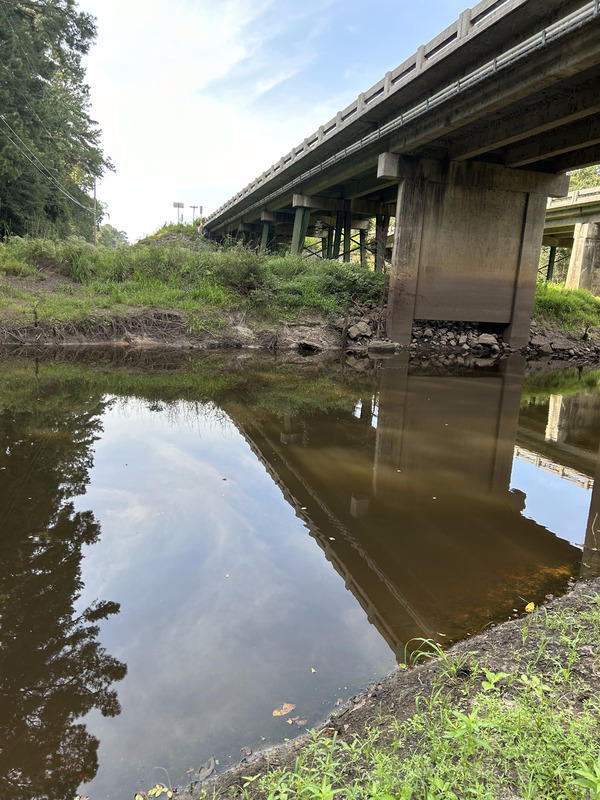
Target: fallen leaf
[[529, 607], [284, 709], [246, 751], [312, 669], [289, 721], [300, 721], [190, 770], [227, 576], [331, 732], [339, 701]]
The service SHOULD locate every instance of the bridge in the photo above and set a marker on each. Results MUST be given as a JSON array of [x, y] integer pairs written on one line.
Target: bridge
[[462, 144], [574, 222]]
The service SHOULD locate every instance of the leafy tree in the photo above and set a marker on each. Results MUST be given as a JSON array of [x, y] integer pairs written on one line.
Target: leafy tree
[[49, 145], [584, 178], [111, 237]]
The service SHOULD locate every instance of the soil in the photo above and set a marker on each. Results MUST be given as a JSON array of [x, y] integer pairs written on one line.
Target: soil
[[361, 332], [501, 648]]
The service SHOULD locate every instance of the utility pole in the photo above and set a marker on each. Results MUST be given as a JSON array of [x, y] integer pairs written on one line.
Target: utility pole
[[193, 214]]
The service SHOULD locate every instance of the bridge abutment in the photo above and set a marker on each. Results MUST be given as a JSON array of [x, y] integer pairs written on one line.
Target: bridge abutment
[[466, 243]]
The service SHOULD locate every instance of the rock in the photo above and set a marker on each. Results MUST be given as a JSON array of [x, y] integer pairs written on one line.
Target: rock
[[487, 339], [560, 342], [418, 334], [546, 350], [428, 332], [359, 329], [462, 338], [378, 346]]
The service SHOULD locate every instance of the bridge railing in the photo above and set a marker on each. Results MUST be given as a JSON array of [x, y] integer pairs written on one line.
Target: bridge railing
[[576, 197], [481, 16]]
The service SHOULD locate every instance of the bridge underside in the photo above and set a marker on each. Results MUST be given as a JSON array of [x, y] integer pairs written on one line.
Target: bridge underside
[[466, 181]]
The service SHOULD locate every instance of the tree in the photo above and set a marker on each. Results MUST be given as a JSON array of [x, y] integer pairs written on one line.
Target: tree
[[111, 237], [49, 146], [584, 178]]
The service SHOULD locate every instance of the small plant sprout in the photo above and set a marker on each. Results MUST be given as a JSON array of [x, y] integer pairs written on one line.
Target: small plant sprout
[[492, 679]]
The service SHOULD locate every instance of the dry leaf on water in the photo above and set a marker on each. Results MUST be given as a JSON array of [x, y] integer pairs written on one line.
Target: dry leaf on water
[[284, 709], [300, 721], [529, 607]]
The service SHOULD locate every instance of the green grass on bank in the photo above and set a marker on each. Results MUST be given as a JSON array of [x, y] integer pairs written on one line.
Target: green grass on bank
[[571, 308], [528, 732], [175, 269], [186, 276]]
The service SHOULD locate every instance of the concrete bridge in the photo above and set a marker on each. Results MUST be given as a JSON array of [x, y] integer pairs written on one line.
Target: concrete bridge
[[462, 144], [574, 222]]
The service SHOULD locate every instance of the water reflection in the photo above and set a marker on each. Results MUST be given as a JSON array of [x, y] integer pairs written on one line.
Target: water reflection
[[52, 667], [428, 535], [207, 477]]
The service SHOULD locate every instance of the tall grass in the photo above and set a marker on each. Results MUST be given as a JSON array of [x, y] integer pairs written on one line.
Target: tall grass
[[570, 307], [183, 275]]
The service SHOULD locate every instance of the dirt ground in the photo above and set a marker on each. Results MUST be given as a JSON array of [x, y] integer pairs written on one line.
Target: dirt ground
[[500, 648]]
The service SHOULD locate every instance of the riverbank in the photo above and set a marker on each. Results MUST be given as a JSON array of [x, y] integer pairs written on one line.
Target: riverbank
[[508, 714], [185, 293]]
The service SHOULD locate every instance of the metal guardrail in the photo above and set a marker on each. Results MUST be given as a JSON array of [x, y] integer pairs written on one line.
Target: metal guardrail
[[482, 14]]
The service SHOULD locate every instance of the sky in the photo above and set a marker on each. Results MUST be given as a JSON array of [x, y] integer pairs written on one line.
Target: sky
[[196, 98]]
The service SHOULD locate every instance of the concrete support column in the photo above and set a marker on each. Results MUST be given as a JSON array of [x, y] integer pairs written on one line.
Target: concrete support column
[[551, 261], [347, 234], [265, 237], [363, 247], [337, 240], [466, 243], [382, 223], [301, 221], [584, 265], [330, 241]]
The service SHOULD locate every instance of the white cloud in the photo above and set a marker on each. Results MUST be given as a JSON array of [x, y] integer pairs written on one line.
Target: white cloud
[[172, 88]]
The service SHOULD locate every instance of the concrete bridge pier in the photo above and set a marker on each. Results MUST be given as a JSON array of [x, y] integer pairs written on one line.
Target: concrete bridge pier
[[466, 242], [584, 264]]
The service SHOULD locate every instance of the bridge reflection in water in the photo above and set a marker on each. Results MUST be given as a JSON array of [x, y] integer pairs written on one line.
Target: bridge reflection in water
[[412, 505]]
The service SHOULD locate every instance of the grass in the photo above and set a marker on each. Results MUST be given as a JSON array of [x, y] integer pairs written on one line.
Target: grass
[[528, 732], [571, 308], [183, 274]]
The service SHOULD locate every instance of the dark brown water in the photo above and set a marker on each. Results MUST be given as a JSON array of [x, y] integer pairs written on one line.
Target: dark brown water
[[239, 533]]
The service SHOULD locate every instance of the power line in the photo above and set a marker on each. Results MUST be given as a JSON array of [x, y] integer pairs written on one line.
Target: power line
[[46, 174]]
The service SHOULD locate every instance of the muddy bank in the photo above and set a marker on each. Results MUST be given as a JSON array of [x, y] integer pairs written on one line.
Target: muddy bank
[[502, 649], [360, 333]]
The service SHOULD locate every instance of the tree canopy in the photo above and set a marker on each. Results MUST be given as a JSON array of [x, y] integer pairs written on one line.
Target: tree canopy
[[585, 178], [50, 153]]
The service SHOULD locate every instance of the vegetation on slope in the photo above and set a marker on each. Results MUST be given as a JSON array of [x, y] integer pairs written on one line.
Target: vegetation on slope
[[189, 277]]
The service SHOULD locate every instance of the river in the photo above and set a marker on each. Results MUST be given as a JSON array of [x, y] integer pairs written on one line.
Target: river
[[189, 542]]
